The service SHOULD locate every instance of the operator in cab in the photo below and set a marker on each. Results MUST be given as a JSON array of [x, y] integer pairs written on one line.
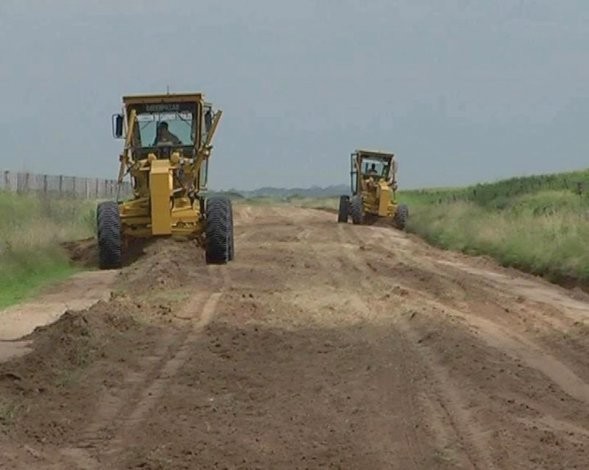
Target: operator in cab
[[163, 135], [371, 176]]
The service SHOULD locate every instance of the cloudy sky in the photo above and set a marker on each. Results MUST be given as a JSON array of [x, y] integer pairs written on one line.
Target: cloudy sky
[[462, 90]]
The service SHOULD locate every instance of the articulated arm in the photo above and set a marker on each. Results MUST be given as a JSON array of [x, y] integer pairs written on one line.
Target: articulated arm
[[205, 149]]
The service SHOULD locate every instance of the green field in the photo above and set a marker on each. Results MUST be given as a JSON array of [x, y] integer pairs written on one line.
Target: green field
[[31, 230], [539, 224]]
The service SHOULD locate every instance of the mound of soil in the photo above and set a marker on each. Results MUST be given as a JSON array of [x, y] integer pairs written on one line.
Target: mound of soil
[[68, 345], [166, 264], [83, 253], [72, 361]]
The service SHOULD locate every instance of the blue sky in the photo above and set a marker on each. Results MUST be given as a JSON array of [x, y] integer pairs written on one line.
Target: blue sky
[[462, 90]]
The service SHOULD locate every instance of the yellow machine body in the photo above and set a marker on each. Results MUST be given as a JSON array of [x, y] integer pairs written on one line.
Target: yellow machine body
[[377, 188], [167, 173], [374, 190]]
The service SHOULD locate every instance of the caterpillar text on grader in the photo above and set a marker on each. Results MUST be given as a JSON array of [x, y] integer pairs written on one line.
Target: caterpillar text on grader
[[374, 190], [166, 155]]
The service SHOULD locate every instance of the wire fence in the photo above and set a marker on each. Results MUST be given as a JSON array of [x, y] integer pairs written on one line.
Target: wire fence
[[62, 186]]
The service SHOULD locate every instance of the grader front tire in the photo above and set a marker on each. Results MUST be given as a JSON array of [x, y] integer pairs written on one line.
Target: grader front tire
[[357, 210], [231, 238], [219, 231], [108, 221], [401, 217]]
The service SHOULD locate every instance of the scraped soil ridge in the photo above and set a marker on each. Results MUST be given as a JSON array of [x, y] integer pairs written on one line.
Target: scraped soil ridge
[[322, 345]]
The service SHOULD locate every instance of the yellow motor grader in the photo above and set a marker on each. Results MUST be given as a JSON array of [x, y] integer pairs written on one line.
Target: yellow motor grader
[[374, 190], [167, 145]]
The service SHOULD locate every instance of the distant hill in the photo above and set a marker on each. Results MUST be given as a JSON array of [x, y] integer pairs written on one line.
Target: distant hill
[[231, 194], [314, 191]]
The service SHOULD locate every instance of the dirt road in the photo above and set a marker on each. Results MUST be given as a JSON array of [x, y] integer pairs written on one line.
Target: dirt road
[[321, 346]]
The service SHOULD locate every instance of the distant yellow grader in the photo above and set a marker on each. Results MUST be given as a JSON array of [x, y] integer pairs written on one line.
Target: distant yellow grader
[[168, 142], [374, 190]]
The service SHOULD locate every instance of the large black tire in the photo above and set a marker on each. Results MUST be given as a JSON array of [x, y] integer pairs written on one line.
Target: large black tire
[[401, 216], [219, 231], [231, 238], [357, 210], [108, 221], [344, 209]]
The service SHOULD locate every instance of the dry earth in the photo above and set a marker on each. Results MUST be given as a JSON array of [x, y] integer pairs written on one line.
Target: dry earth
[[321, 346]]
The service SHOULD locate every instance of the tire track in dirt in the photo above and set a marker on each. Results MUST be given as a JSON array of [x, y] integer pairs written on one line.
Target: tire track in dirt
[[152, 394], [511, 285], [501, 333], [414, 402], [414, 450], [528, 381], [338, 343], [116, 417], [506, 339], [446, 395], [533, 356], [330, 416]]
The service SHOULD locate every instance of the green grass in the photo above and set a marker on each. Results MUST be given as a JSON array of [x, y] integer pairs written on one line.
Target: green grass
[[500, 194], [31, 230], [536, 224]]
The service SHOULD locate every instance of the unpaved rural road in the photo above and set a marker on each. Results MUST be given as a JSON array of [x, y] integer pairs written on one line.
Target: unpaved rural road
[[322, 346]]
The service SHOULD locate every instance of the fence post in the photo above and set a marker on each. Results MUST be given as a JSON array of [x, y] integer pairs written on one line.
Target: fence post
[[60, 185], [7, 185]]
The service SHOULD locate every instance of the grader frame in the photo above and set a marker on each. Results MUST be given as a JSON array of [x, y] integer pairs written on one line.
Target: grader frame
[[168, 177], [374, 190]]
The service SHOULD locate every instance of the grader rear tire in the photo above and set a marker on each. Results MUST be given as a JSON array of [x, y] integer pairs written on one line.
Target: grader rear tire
[[219, 231], [108, 221], [357, 210], [344, 209]]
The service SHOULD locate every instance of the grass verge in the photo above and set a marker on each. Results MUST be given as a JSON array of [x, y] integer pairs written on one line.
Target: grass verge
[[543, 232], [31, 230]]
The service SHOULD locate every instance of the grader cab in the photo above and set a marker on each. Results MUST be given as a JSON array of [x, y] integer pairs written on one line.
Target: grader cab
[[167, 146], [374, 190]]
